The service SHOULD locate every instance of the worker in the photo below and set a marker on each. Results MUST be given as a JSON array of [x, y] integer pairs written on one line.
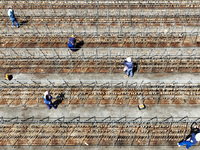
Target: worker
[[129, 65], [8, 77], [72, 43], [12, 17], [47, 100], [192, 139]]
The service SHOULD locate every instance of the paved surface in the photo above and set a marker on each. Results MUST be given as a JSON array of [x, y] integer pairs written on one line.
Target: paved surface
[[97, 52], [57, 78], [159, 111]]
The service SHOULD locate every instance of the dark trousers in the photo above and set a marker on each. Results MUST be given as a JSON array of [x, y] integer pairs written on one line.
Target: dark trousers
[[14, 20], [50, 105]]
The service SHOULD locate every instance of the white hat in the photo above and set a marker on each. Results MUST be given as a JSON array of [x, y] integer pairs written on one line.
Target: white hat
[[128, 59], [46, 93], [197, 136]]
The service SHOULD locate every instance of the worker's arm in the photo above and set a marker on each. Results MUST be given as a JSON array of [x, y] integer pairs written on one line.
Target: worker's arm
[[193, 139], [46, 101]]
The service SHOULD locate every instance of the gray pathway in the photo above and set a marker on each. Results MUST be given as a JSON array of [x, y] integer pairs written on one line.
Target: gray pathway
[[102, 77], [150, 111]]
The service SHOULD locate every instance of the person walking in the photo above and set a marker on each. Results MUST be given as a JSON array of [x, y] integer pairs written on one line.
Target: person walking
[[192, 139], [72, 43], [47, 100], [129, 65], [12, 17]]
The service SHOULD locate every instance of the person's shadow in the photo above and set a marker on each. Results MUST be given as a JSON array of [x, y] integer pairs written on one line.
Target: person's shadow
[[59, 99], [23, 22], [79, 45], [135, 67]]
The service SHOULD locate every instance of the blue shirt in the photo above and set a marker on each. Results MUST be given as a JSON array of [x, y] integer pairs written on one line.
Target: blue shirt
[[129, 64], [47, 101], [12, 16], [72, 41]]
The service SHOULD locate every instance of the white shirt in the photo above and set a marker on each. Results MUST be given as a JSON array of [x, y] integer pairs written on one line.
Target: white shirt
[[9, 11]]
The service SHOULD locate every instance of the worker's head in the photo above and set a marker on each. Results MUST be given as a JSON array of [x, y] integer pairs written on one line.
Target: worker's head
[[128, 59], [9, 7], [73, 36], [46, 93], [197, 136]]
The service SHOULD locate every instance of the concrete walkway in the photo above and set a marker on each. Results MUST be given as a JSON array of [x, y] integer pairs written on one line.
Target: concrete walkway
[[101, 77], [150, 111]]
